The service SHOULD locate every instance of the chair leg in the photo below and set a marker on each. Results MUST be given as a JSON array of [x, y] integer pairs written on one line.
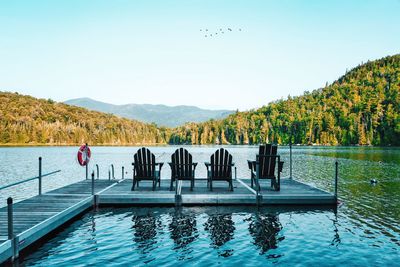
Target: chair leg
[[191, 184], [252, 178], [159, 182], [211, 189], [154, 185], [276, 185], [231, 185], [170, 187], [133, 186]]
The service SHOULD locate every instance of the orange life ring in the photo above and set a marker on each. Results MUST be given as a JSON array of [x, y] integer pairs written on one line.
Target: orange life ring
[[84, 155]]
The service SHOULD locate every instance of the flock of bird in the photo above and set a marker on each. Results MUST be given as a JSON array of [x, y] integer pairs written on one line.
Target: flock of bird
[[209, 33]]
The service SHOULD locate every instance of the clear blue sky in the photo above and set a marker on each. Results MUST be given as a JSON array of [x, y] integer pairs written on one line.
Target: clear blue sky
[[123, 51]]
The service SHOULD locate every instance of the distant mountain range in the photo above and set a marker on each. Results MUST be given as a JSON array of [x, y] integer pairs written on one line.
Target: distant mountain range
[[162, 115]]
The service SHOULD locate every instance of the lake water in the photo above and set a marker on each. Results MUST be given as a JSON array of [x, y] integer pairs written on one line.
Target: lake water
[[364, 230]]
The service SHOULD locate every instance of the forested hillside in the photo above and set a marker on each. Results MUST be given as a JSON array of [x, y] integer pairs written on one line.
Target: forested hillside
[[27, 120], [362, 107]]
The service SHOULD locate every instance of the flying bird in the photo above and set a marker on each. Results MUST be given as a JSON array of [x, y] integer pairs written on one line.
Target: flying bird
[[229, 29]]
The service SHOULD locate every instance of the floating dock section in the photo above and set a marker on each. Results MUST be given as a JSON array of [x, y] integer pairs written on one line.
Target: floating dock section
[[34, 218]]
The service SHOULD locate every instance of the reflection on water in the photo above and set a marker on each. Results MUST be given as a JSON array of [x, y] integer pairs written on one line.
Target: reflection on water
[[336, 237], [145, 231], [264, 228], [208, 236], [183, 230], [221, 228]]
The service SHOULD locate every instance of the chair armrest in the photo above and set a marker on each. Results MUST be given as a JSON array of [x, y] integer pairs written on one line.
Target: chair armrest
[[251, 164], [194, 164], [208, 165], [160, 164], [230, 165]]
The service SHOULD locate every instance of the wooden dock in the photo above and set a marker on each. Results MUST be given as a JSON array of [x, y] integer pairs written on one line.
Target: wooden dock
[[36, 217]]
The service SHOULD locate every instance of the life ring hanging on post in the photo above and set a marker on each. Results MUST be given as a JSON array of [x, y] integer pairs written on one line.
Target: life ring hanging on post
[[84, 155]]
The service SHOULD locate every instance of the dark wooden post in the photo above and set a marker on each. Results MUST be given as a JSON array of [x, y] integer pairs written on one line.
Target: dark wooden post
[[97, 169], [93, 183], [87, 163], [336, 179], [290, 161], [10, 218], [235, 173], [40, 176]]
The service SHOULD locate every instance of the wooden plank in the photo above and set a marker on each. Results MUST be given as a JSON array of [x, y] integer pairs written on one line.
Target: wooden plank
[[292, 192], [39, 230], [5, 250], [36, 217]]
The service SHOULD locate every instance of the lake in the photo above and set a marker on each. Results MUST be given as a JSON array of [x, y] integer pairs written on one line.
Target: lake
[[364, 230]]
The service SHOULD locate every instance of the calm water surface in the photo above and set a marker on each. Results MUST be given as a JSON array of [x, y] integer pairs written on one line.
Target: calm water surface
[[364, 230]]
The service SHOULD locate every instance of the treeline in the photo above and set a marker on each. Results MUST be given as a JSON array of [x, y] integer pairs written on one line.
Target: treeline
[[362, 107], [27, 120]]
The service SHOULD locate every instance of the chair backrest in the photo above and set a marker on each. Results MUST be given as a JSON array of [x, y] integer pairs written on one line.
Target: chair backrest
[[221, 164], [145, 163], [182, 164], [267, 164]]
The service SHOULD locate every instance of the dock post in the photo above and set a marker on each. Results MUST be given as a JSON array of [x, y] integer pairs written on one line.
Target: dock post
[[11, 236], [10, 218], [178, 193], [109, 175], [336, 179], [123, 172], [290, 159], [112, 171], [87, 170], [235, 173], [40, 176], [93, 183], [258, 199], [97, 169]]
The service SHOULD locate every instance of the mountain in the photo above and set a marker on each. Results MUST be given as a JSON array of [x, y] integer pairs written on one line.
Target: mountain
[[28, 120], [361, 108], [159, 114]]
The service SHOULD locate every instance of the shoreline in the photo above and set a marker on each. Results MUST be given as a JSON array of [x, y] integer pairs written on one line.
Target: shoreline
[[163, 144]]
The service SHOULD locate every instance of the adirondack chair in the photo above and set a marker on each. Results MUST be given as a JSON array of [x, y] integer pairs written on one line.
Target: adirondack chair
[[182, 167], [264, 166], [220, 168], [145, 168]]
